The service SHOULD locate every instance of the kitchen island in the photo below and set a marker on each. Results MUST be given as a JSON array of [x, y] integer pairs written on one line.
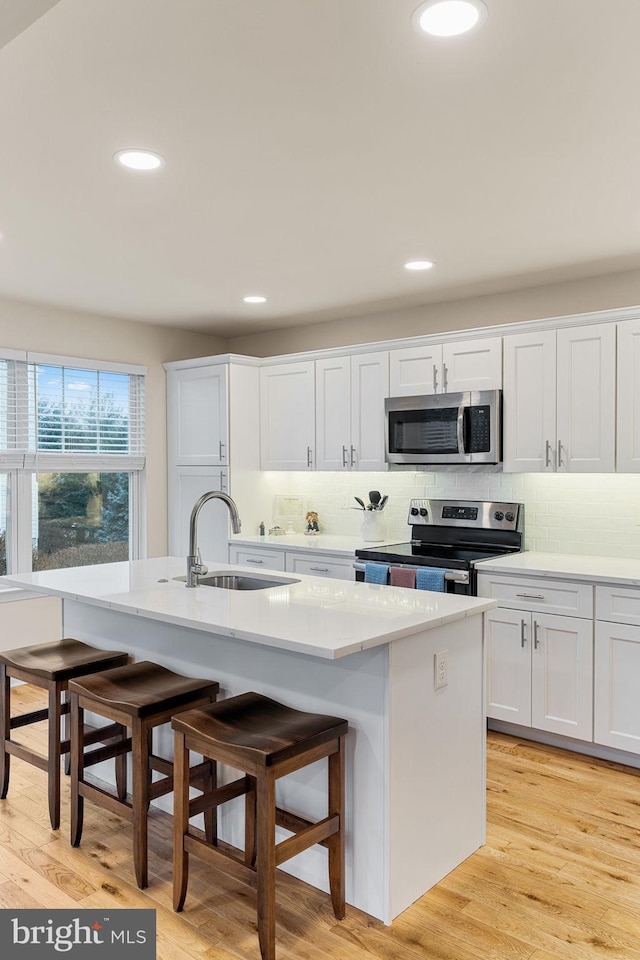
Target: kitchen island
[[415, 760]]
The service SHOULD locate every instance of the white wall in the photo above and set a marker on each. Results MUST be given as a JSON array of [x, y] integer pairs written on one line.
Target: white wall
[[51, 330]]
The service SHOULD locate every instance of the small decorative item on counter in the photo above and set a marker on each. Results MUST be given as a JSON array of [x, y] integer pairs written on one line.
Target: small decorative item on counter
[[313, 526], [261, 528], [276, 531]]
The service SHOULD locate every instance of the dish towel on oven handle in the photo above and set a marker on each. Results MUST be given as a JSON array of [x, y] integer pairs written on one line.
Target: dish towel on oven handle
[[376, 572], [430, 578], [402, 577]]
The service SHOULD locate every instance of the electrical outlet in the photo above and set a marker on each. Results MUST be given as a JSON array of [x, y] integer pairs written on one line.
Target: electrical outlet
[[441, 669]]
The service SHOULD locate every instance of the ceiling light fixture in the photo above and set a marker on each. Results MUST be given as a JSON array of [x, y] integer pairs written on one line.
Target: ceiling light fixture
[[139, 159], [449, 18], [419, 265], [255, 299]]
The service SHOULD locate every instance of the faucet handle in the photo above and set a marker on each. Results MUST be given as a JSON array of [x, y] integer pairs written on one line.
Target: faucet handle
[[202, 569]]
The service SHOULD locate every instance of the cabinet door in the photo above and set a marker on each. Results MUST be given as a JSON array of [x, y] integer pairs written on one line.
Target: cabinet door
[[369, 387], [415, 371], [617, 704], [562, 676], [186, 485], [586, 415], [287, 416], [197, 416], [333, 414], [472, 365], [321, 566], [507, 643], [628, 429], [529, 403]]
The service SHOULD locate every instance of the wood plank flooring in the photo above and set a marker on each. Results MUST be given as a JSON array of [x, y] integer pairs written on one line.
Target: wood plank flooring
[[559, 878]]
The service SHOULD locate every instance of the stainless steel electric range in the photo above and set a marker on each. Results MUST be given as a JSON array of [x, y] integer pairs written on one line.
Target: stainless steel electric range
[[454, 535]]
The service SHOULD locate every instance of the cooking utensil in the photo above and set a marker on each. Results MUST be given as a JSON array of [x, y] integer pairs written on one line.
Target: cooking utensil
[[361, 502], [382, 502], [374, 497]]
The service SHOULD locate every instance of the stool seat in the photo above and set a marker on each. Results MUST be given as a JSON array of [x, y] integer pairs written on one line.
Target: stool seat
[[61, 659], [259, 729], [265, 740], [138, 697], [50, 666], [139, 689]]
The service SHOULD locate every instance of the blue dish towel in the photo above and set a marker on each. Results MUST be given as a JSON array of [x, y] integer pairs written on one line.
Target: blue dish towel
[[430, 578], [376, 572]]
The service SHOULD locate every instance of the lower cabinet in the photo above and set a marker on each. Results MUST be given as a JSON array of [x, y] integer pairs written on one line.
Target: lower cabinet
[[321, 566], [258, 557], [186, 485], [540, 671], [617, 668]]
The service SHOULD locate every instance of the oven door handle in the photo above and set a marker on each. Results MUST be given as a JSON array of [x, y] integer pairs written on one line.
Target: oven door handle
[[459, 576]]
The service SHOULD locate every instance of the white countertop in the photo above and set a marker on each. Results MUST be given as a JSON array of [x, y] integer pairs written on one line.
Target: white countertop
[[316, 616], [320, 543], [573, 566]]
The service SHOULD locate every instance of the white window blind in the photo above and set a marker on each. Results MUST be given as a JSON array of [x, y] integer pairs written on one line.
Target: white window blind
[[59, 417]]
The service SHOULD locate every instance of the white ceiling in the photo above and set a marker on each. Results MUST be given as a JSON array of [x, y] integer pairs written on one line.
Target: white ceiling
[[312, 146]]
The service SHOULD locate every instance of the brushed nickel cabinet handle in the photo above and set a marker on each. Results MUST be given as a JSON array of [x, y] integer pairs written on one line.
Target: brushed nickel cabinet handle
[[530, 596], [252, 560], [320, 569], [353, 456], [309, 457], [435, 378], [345, 455], [444, 378], [559, 453], [536, 642], [523, 638], [547, 457]]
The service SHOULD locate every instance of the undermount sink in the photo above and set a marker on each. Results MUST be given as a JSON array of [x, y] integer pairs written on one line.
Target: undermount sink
[[241, 581]]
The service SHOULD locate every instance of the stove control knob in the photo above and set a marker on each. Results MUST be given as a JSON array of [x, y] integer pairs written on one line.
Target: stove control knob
[[498, 515], [414, 511], [423, 512], [510, 517]]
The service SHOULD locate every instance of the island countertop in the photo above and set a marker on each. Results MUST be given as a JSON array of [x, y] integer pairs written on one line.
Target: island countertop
[[314, 616]]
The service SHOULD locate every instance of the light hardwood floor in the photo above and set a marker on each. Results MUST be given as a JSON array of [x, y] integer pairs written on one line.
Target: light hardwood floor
[[559, 878]]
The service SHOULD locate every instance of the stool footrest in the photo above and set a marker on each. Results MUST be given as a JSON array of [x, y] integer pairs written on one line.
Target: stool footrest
[[306, 838], [120, 807], [107, 753], [214, 798], [294, 823], [227, 859], [25, 718], [17, 750]]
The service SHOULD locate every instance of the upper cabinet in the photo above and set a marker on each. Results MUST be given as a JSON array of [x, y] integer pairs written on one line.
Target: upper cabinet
[[350, 395], [287, 416], [197, 415], [446, 367], [559, 401], [628, 434]]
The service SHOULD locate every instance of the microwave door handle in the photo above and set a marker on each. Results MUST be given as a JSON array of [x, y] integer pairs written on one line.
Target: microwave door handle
[[461, 448]]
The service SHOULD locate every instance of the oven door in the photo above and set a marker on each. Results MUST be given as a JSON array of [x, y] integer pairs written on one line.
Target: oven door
[[456, 581]]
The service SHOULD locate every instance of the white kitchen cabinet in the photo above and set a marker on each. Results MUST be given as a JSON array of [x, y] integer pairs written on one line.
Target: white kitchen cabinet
[[617, 668], [333, 413], [369, 387], [259, 557], [320, 565], [186, 485], [197, 415], [287, 416], [446, 367], [559, 405], [540, 663], [628, 397]]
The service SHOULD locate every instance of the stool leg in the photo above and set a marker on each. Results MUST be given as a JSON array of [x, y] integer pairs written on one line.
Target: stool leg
[[66, 732], [140, 799], [77, 770], [335, 843], [5, 728], [180, 820], [266, 817], [211, 815], [53, 760], [250, 824], [121, 770]]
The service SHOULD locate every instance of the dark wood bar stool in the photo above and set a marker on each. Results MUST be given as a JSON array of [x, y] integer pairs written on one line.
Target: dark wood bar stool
[[266, 740], [50, 666], [139, 696]]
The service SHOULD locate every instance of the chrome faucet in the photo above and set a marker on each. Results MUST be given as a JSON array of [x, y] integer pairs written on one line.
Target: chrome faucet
[[195, 567]]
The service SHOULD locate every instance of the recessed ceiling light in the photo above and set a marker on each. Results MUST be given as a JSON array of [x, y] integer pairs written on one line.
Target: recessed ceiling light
[[419, 264], [449, 18], [139, 159], [255, 299]]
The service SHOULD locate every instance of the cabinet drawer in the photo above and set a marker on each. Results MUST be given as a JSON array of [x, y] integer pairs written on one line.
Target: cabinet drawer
[[260, 559], [618, 605], [321, 566], [553, 596]]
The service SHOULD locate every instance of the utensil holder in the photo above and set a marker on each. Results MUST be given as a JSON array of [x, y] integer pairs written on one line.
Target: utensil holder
[[373, 526]]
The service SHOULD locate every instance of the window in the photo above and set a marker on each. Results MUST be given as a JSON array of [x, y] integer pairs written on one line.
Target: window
[[71, 462]]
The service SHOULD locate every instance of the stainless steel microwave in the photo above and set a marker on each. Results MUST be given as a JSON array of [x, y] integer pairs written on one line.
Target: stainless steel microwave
[[444, 428]]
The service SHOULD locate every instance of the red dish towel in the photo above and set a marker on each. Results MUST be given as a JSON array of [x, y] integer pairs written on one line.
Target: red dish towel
[[403, 577]]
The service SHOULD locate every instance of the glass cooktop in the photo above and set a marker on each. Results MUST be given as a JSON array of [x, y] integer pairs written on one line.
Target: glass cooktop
[[433, 555]]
